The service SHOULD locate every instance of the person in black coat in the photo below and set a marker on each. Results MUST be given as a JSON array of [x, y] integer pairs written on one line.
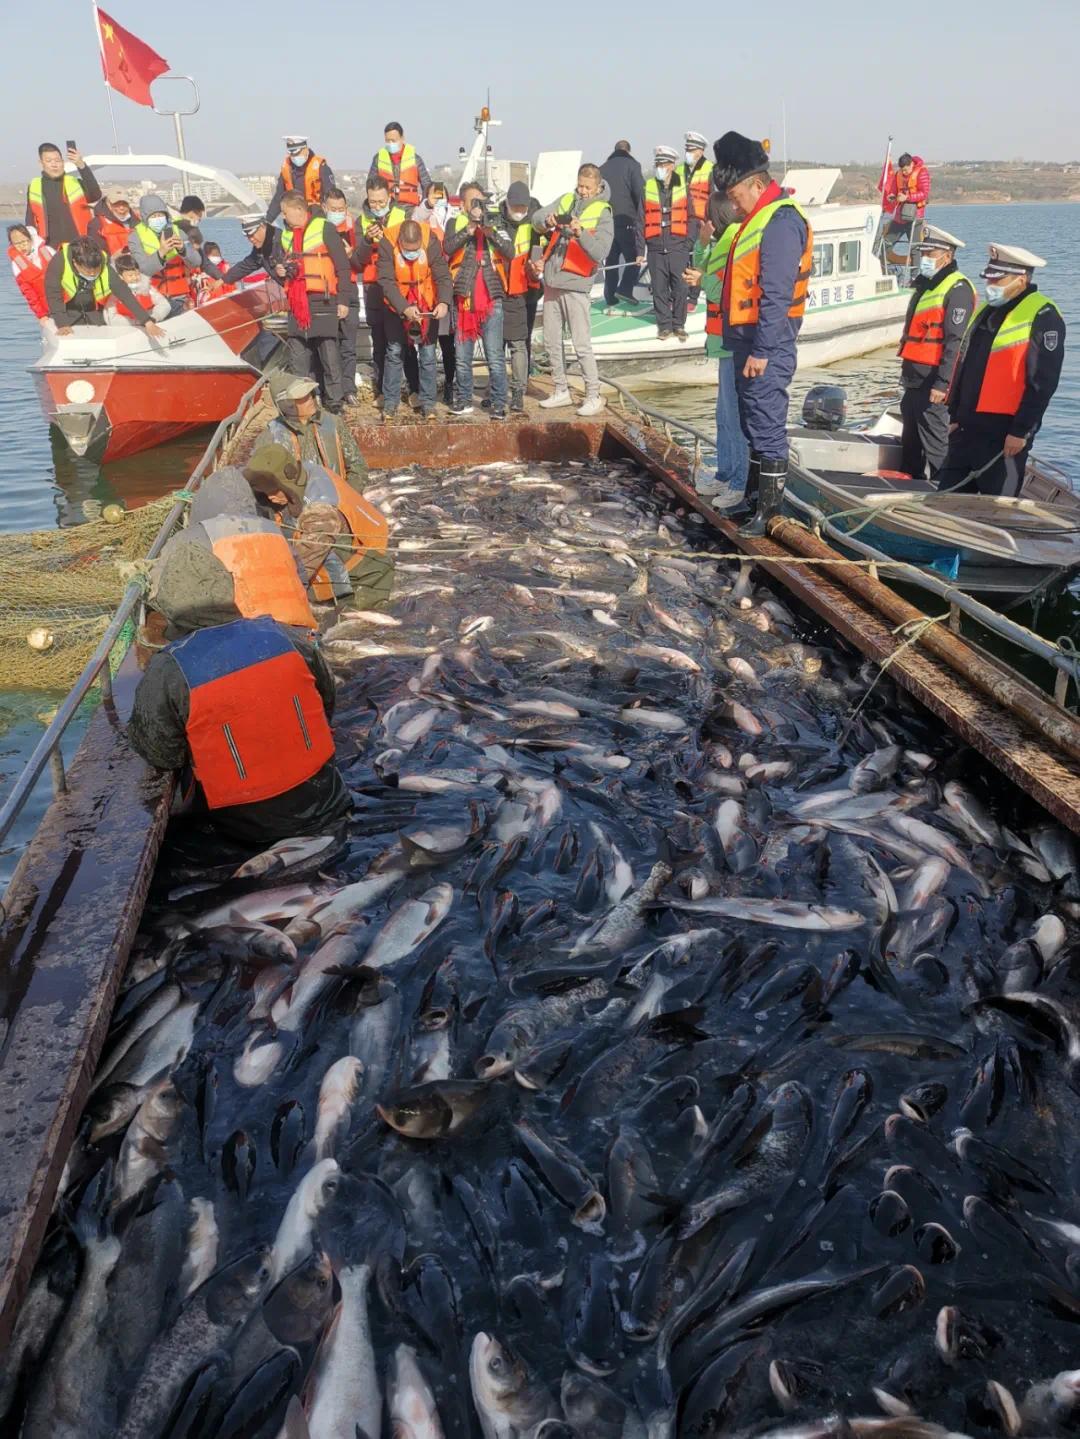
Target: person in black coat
[[627, 185]]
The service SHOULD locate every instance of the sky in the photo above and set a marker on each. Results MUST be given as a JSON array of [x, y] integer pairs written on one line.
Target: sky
[[563, 77]]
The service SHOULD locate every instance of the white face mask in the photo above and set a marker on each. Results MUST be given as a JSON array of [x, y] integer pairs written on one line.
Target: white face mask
[[518, 216], [662, 173], [691, 158]]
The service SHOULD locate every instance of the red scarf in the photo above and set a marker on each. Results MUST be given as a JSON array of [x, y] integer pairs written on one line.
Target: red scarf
[[475, 309], [296, 288], [771, 192]]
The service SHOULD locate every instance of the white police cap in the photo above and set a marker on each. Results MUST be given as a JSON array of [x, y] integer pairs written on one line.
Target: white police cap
[[1012, 260], [935, 238], [665, 152]]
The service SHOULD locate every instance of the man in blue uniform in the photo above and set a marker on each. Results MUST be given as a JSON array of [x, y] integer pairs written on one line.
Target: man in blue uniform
[[763, 300], [1007, 373]]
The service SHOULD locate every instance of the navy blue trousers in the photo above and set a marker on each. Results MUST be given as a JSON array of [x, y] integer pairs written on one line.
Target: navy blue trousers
[[763, 402]]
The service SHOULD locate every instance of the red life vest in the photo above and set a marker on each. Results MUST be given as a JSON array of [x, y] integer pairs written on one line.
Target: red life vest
[[173, 279], [742, 275], [114, 234], [923, 341], [404, 183], [30, 276], [256, 726], [312, 177], [1005, 377], [146, 301], [414, 277], [263, 568], [74, 195], [679, 214], [576, 260]]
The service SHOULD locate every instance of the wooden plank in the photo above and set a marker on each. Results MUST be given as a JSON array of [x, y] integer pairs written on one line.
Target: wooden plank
[[1049, 776], [73, 907]]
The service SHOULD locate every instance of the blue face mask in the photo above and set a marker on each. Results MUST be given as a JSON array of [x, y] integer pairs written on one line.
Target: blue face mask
[[995, 295], [411, 255], [927, 267], [157, 223], [379, 211], [394, 146]]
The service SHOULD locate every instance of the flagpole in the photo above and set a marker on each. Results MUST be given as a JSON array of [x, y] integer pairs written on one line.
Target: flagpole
[[108, 87]]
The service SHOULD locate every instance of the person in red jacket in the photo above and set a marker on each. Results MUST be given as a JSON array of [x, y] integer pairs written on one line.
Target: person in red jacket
[[906, 195], [30, 256]]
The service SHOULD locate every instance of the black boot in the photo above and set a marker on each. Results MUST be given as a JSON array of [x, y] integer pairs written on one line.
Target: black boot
[[770, 502], [744, 506]]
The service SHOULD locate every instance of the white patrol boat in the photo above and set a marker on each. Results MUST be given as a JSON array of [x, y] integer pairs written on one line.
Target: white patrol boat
[[855, 303]]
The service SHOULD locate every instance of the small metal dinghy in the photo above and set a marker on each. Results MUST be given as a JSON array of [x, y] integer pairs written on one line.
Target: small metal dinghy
[[1010, 549]]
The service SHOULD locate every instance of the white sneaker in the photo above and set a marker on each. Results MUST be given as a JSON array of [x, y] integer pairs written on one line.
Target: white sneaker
[[594, 405], [560, 400]]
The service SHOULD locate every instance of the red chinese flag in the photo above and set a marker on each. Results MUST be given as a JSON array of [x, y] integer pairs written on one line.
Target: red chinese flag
[[129, 65]]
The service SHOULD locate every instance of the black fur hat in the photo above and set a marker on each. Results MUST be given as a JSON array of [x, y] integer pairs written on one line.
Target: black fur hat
[[736, 158]]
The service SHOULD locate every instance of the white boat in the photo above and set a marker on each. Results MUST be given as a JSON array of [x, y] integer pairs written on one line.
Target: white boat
[[855, 303]]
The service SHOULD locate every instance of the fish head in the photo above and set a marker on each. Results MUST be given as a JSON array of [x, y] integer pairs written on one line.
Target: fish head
[[233, 1292], [591, 1407], [510, 1038], [417, 1113], [110, 1108], [497, 1376], [298, 1306], [320, 1185]]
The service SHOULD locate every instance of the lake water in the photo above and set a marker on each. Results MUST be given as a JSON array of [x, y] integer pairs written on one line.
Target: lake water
[[42, 485]]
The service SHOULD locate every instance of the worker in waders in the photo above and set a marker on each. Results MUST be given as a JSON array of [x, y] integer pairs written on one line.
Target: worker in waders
[[240, 707]]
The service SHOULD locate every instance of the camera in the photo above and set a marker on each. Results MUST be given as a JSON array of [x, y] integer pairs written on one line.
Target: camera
[[292, 269], [563, 221], [476, 209]]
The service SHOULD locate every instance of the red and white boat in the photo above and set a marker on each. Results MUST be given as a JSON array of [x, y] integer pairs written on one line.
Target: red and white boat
[[114, 390]]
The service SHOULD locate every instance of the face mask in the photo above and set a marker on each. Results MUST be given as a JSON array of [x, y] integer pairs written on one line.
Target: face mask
[[662, 173], [691, 158], [440, 208], [927, 267], [338, 217], [518, 215], [157, 223], [298, 156], [394, 146], [379, 211], [996, 295], [411, 255]]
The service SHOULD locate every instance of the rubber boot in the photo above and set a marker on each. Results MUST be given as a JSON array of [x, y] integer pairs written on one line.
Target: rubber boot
[[743, 507], [770, 500]]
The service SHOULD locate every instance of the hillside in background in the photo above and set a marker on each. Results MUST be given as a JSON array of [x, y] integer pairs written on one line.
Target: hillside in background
[[970, 182]]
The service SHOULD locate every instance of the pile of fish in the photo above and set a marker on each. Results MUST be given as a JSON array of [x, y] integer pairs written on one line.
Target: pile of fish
[[662, 1049]]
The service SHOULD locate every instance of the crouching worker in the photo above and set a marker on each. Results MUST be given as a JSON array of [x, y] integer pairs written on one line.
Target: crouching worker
[[268, 577], [339, 538], [240, 706], [312, 433]]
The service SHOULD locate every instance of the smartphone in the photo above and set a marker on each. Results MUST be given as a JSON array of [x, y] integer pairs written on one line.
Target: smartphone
[[72, 145]]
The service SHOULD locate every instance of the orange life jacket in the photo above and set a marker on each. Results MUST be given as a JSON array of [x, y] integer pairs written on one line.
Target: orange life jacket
[[414, 277], [29, 273], [699, 184], [115, 235], [407, 179], [77, 203], [173, 280], [907, 185], [396, 217], [520, 280], [744, 267], [146, 301], [457, 259], [312, 177], [320, 276], [679, 215], [576, 260], [1005, 377], [923, 341], [256, 727], [263, 568]]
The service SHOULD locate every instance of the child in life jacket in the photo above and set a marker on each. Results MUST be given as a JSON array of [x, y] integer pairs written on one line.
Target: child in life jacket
[[141, 287]]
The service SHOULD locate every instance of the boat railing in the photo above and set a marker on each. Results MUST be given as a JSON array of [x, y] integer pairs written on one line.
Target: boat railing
[[1063, 658], [671, 425], [98, 669]]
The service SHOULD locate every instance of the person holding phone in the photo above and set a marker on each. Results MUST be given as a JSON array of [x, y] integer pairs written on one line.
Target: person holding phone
[[479, 247], [417, 290], [164, 253], [59, 205]]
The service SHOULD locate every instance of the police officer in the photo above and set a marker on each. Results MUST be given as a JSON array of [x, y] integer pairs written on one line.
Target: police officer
[[664, 237], [1009, 367], [303, 171], [938, 314], [763, 299], [697, 173]]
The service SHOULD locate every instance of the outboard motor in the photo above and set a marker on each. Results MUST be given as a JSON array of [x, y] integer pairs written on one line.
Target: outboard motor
[[824, 408]]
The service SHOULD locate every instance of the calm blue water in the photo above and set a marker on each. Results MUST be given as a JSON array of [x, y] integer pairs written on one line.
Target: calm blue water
[[42, 486]]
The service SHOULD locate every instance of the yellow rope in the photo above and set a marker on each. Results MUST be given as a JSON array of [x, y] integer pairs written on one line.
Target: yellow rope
[[918, 628]]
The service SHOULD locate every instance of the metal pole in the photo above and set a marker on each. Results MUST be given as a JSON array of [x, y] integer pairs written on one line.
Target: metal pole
[[108, 87], [180, 151]]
